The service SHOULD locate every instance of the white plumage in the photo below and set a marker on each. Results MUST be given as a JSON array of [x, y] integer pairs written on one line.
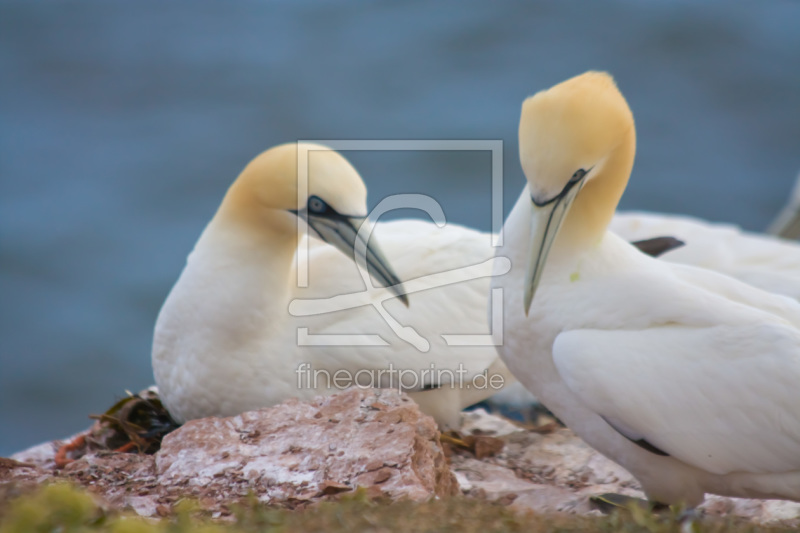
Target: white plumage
[[787, 223], [764, 261], [686, 377], [225, 340]]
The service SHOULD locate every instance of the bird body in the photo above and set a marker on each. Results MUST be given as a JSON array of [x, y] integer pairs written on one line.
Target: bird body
[[237, 332], [787, 223], [764, 261], [684, 376]]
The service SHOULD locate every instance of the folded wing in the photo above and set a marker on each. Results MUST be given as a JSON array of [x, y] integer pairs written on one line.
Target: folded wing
[[723, 398]]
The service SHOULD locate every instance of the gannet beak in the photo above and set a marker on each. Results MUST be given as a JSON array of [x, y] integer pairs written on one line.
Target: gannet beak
[[546, 219], [342, 232]]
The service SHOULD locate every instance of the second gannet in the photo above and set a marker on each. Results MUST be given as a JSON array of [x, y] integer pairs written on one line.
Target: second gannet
[[238, 332], [787, 223], [685, 377], [764, 261]]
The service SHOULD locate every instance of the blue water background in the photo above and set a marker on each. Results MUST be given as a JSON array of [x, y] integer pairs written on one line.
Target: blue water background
[[122, 124]]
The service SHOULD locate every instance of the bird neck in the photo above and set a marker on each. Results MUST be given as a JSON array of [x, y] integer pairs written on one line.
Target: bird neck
[[250, 249], [593, 209]]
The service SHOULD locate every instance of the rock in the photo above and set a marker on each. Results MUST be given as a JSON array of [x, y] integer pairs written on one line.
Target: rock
[[557, 471], [292, 454], [481, 422], [297, 451], [41, 455]]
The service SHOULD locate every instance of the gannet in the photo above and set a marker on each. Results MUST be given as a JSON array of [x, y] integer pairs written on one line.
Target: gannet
[[787, 223], [764, 261], [686, 377], [228, 337]]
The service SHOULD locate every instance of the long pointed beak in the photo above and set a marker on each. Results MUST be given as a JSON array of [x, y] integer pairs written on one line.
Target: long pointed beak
[[342, 232], [546, 219]]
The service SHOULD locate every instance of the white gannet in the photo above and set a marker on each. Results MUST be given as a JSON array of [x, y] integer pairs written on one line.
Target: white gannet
[[787, 223], [227, 337], [764, 261], [686, 377]]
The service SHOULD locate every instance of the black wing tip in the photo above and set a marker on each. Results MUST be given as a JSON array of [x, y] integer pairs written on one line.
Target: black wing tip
[[658, 245], [642, 443]]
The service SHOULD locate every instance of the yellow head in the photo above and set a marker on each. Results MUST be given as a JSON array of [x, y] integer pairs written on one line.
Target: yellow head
[[272, 181], [312, 183], [571, 128], [579, 132]]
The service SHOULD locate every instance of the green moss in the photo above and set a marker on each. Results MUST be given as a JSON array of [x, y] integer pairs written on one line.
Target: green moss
[[64, 509], [55, 507]]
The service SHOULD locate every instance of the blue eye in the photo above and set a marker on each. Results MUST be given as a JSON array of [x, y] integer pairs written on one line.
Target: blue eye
[[317, 205]]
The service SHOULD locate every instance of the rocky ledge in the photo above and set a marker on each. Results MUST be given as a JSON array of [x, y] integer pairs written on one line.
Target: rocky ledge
[[289, 455], [298, 453], [549, 469]]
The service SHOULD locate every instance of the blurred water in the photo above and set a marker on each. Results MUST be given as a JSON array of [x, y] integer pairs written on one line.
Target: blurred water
[[123, 123]]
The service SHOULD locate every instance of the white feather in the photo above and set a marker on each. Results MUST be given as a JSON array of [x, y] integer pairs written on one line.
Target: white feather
[[225, 341], [764, 261]]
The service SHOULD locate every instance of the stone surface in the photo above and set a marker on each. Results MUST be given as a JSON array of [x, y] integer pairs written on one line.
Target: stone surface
[[551, 469], [290, 455], [298, 453], [356, 438]]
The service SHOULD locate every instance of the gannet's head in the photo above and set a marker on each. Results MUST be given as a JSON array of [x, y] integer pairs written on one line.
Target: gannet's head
[[273, 179], [566, 135], [321, 188], [567, 132]]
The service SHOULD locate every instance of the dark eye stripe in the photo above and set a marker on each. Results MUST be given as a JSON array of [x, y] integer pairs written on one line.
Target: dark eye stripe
[[580, 173]]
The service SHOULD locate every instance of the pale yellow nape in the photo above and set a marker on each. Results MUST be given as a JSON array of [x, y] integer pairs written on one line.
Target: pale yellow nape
[[582, 123], [270, 182]]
